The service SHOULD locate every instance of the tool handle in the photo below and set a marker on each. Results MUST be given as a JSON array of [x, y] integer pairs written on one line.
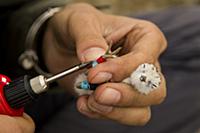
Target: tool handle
[[5, 108]]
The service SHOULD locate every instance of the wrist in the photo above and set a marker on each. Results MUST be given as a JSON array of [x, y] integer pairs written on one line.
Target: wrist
[[29, 59]]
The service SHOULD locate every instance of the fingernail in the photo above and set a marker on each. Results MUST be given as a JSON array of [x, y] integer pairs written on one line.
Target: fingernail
[[102, 77], [93, 53], [109, 96], [83, 108], [101, 108]]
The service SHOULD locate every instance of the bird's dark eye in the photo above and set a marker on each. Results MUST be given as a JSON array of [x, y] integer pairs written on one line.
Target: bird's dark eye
[[143, 78]]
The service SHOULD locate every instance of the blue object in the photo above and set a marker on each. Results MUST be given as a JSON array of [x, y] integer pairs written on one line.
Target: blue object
[[94, 63], [85, 85]]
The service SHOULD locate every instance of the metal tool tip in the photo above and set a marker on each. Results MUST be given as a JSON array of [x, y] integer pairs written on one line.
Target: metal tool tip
[[85, 64]]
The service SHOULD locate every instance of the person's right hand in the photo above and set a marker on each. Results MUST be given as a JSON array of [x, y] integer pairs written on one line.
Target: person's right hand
[[80, 32], [22, 124]]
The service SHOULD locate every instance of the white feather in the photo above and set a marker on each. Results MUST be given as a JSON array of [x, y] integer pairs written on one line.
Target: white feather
[[145, 78]]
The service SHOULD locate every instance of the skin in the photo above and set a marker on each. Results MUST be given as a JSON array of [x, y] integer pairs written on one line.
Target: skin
[[79, 32], [22, 124]]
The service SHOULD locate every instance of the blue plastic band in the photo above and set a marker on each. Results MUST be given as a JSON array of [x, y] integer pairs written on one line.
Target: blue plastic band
[[85, 85], [94, 63]]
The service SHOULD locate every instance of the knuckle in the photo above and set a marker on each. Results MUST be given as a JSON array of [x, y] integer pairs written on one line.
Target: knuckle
[[149, 25], [153, 29]]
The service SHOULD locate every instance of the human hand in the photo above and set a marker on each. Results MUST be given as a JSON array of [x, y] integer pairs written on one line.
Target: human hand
[[22, 124], [90, 30]]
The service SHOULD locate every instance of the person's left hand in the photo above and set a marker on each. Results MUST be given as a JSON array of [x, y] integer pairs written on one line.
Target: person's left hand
[[22, 124], [85, 29]]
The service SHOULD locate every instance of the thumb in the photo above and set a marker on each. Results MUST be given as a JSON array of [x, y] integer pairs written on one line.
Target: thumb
[[86, 31], [89, 44], [90, 53]]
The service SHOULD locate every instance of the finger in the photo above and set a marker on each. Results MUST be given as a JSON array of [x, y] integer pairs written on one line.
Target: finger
[[26, 123], [128, 116], [83, 108], [8, 121], [119, 68], [146, 38], [86, 30], [143, 34], [16, 124], [123, 95], [120, 94], [119, 27], [143, 45]]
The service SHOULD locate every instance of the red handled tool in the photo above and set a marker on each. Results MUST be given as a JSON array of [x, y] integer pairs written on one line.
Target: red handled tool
[[14, 95], [4, 105]]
